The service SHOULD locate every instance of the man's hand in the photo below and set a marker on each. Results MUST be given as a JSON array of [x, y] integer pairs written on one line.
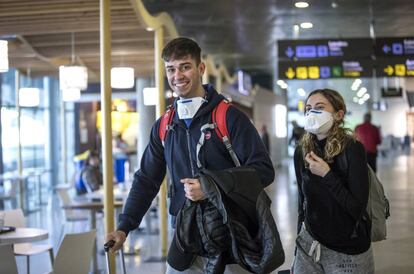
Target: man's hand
[[192, 188], [119, 237], [316, 164]]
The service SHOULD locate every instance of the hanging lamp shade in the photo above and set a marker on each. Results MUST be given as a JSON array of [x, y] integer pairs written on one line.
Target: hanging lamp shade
[[122, 77], [73, 77], [29, 97], [71, 94], [150, 96], [4, 56]]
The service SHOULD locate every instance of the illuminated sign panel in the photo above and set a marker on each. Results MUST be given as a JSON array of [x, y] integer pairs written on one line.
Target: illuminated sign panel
[[325, 69], [397, 47], [324, 48], [346, 58], [395, 67]]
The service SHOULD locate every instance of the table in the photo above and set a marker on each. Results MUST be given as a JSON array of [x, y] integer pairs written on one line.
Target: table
[[120, 194], [93, 207], [23, 235]]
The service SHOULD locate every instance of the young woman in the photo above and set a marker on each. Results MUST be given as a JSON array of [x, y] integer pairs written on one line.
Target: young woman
[[332, 175]]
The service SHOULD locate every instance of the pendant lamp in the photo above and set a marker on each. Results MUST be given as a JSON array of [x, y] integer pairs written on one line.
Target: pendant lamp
[[4, 56]]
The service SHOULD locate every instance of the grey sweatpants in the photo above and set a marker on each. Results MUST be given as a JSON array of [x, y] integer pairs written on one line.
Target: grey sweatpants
[[198, 267], [314, 258]]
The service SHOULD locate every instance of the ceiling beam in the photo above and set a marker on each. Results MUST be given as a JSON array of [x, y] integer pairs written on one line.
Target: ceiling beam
[[55, 7]]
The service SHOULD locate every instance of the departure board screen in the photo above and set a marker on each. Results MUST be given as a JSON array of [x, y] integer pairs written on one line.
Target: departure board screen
[[395, 67], [394, 47], [325, 48], [325, 69]]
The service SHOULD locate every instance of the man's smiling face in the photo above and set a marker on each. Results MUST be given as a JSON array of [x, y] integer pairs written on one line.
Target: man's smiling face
[[184, 77]]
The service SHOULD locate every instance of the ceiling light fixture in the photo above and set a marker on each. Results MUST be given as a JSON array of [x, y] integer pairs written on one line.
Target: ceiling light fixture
[[73, 77], [301, 4], [306, 25], [301, 92], [122, 77], [29, 96], [150, 96], [4, 56]]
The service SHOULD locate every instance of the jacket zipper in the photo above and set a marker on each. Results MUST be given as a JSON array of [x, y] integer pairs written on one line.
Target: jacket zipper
[[189, 152]]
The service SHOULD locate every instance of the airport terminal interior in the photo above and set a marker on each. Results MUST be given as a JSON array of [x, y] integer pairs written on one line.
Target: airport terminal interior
[[85, 78]]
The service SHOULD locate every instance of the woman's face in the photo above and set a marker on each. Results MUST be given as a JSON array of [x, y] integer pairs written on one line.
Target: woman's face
[[319, 102]]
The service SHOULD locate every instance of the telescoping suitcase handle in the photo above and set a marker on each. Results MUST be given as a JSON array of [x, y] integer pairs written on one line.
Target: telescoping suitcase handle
[[108, 246]]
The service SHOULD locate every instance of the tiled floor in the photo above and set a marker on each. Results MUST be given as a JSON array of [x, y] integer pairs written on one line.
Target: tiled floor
[[395, 255]]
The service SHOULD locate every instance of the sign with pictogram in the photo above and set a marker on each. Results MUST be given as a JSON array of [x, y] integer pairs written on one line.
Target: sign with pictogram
[[324, 48], [325, 69], [394, 47], [395, 67]]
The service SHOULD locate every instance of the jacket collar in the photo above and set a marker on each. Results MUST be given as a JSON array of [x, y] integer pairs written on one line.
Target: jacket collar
[[213, 99]]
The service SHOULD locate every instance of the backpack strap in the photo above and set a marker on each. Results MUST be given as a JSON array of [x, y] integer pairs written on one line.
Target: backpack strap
[[219, 119], [165, 123]]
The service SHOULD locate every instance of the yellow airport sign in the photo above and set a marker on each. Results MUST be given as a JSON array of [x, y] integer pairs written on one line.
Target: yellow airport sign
[[400, 70], [290, 73], [313, 72], [302, 72], [389, 70]]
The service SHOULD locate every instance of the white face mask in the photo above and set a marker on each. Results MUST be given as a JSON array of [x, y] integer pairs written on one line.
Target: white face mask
[[318, 121], [187, 108]]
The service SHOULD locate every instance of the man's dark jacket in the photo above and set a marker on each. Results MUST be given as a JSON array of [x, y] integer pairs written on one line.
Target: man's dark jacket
[[179, 155], [233, 225]]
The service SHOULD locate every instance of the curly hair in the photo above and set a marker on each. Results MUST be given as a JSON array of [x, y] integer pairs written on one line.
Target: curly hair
[[338, 136]]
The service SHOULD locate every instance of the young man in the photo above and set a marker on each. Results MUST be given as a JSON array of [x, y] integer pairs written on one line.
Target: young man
[[182, 57]]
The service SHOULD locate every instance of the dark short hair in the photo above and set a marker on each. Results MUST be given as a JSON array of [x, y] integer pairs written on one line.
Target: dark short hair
[[92, 154], [367, 117], [181, 47]]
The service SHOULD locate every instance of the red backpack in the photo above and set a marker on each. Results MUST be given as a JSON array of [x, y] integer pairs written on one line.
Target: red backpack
[[218, 118]]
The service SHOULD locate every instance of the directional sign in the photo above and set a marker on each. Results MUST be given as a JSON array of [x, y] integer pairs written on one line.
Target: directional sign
[[395, 67], [305, 70], [325, 48], [397, 47]]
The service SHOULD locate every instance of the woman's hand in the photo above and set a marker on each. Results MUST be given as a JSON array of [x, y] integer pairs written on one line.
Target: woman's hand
[[316, 164]]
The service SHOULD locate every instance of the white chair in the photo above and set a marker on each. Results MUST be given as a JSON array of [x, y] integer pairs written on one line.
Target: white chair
[[7, 260], [75, 253], [15, 218]]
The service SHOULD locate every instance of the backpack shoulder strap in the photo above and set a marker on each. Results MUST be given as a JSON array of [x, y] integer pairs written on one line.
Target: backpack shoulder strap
[[219, 119], [165, 122]]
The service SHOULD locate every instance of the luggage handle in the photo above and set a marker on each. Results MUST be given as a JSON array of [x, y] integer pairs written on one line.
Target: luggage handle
[[108, 246]]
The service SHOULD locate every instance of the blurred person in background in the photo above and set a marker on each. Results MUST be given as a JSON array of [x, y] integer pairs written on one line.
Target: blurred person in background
[[91, 173], [370, 136], [264, 135], [297, 133]]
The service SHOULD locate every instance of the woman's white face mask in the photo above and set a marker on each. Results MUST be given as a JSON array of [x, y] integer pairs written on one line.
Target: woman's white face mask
[[187, 108], [318, 121]]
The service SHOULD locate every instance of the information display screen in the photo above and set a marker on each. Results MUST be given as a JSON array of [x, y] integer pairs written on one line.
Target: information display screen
[[325, 48], [394, 47], [395, 67], [346, 58], [325, 69]]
